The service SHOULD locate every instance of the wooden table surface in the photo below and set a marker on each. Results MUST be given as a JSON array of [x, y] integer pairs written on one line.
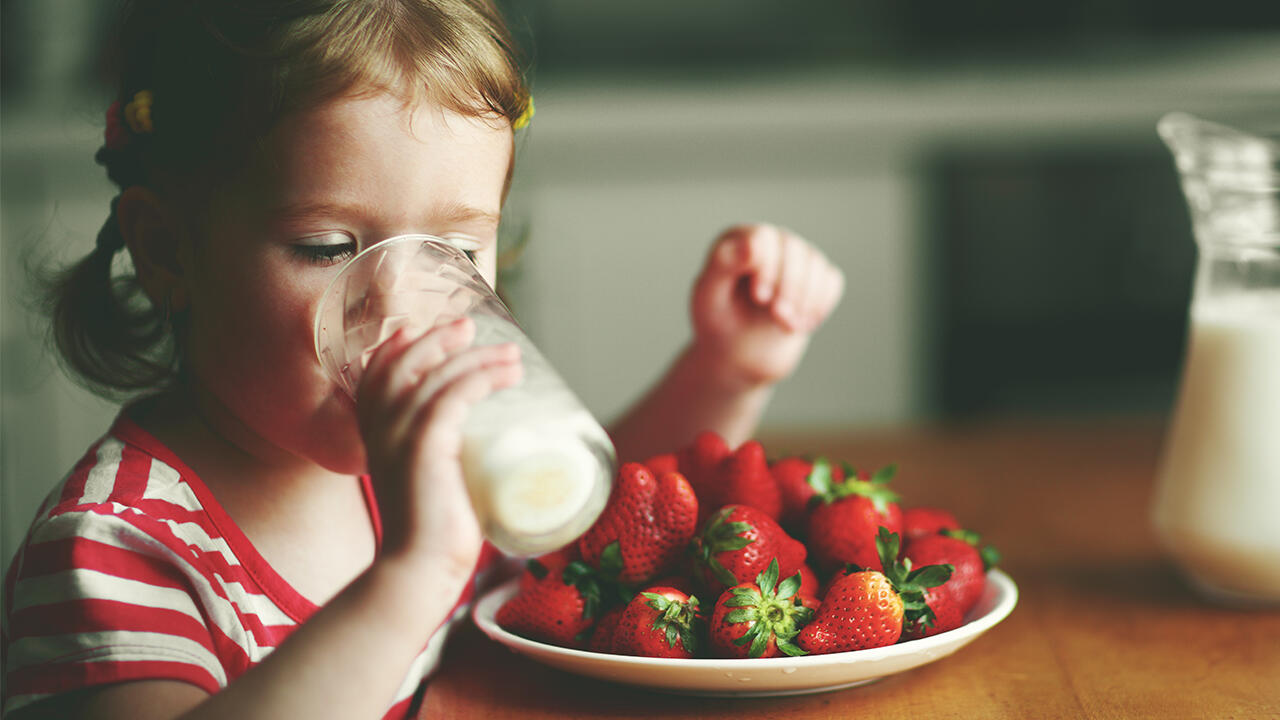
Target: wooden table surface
[[1104, 626]]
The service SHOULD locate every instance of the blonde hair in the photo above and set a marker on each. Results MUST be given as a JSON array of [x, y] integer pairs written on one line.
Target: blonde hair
[[221, 74]]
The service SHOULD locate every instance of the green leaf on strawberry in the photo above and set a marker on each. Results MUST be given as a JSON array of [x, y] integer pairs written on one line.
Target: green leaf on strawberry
[[820, 478], [536, 568], [721, 536], [874, 489], [676, 620], [764, 613], [910, 583], [990, 556], [600, 588]]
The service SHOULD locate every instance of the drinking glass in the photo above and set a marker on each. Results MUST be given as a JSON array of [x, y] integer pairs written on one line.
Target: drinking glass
[[538, 467]]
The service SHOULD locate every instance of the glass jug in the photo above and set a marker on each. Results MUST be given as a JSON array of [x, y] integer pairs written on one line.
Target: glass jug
[[538, 467], [1217, 503]]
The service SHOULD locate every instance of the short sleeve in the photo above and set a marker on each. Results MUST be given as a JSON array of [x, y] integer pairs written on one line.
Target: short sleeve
[[102, 594]]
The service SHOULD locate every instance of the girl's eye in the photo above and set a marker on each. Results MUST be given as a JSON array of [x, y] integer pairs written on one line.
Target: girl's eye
[[467, 244], [326, 249]]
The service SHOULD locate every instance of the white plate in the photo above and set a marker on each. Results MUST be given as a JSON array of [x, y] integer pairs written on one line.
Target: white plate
[[757, 677]]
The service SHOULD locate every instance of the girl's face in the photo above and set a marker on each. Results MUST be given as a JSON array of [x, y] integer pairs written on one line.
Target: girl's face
[[329, 183]]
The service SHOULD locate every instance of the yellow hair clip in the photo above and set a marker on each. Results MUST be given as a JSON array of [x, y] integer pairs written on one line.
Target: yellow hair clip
[[138, 112], [522, 122]]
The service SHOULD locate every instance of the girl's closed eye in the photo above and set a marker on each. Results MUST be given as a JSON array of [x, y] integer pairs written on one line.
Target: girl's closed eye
[[469, 245], [325, 249]]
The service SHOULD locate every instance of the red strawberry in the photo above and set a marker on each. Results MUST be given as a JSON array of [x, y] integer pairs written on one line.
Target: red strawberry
[[650, 519], [919, 521], [659, 464], [698, 461], [808, 581], [557, 608], [743, 478], [759, 619], [842, 527], [797, 488], [946, 616], [953, 599], [552, 562], [869, 608], [810, 601], [683, 583], [659, 622], [603, 634], [736, 544]]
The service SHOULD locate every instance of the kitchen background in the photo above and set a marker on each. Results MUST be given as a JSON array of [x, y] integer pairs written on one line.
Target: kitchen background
[[986, 173]]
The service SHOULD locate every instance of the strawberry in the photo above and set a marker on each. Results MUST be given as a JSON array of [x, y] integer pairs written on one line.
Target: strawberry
[[651, 519], [558, 608], [810, 601], [760, 618], [683, 583], [659, 622], [743, 478], [552, 562], [736, 544], [919, 521], [869, 608], [797, 486], [659, 464], [953, 599], [808, 581], [602, 634], [842, 526], [698, 462], [946, 616]]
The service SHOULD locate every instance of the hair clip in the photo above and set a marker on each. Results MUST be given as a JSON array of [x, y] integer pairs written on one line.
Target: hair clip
[[135, 117], [138, 112], [522, 122]]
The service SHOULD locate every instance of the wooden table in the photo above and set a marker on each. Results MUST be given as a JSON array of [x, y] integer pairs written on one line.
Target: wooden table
[[1104, 626]]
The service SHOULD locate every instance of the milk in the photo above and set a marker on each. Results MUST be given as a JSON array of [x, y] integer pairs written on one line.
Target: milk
[[1217, 509], [537, 464], [538, 467]]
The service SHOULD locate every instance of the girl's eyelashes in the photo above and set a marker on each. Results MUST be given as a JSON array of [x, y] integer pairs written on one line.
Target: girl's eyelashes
[[335, 247], [326, 249], [469, 245]]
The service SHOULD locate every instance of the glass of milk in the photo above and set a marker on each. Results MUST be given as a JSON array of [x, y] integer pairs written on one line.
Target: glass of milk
[[1217, 504], [538, 467]]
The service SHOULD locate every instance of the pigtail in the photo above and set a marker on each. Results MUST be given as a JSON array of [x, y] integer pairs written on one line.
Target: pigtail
[[110, 337]]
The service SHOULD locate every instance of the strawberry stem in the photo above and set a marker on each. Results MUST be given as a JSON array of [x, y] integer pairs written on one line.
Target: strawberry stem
[[875, 489], [769, 613], [910, 583]]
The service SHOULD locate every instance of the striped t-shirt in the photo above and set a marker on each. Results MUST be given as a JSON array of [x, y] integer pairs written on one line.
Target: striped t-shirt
[[132, 570]]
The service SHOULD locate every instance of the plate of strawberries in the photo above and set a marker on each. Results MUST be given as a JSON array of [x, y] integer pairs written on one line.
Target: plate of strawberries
[[717, 572]]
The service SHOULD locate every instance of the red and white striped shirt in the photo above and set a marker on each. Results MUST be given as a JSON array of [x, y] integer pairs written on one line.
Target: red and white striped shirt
[[132, 570]]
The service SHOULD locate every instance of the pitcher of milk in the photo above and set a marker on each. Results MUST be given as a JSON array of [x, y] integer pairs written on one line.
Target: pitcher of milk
[[1217, 504]]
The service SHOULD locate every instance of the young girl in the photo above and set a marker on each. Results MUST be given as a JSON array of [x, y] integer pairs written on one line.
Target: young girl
[[246, 541]]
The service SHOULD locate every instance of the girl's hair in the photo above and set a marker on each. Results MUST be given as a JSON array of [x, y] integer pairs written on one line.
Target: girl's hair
[[221, 73]]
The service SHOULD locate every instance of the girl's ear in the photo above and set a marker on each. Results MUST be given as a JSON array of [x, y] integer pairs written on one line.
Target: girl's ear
[[154, 241]]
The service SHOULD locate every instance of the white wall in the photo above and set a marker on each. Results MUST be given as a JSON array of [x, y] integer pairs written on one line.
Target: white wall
[[611, 263]]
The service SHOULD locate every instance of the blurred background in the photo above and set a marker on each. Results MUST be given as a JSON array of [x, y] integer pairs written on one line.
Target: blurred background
[[986, 173]]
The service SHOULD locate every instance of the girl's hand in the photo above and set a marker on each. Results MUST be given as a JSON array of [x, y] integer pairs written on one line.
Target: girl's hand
[[411, 405], [761, 294]]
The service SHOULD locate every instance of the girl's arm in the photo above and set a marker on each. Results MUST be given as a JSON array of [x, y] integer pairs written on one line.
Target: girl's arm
[[347, 661], [761, 294]]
